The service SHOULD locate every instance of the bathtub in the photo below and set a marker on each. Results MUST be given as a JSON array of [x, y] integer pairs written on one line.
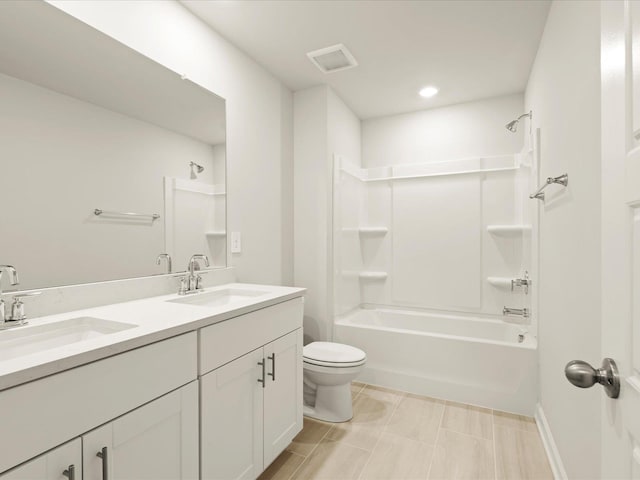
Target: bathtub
[[484, 362]]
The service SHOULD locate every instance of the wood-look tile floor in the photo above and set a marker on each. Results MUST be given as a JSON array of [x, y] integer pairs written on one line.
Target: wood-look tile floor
[[395, 435]]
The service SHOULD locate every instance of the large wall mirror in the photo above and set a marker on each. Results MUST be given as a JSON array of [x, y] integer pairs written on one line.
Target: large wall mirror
[[108, 158]]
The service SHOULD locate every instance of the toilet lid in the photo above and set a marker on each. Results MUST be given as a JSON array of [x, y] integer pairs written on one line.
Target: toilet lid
[[329, 352]]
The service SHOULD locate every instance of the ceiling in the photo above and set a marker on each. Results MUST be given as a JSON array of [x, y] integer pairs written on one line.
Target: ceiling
[[469, 49]]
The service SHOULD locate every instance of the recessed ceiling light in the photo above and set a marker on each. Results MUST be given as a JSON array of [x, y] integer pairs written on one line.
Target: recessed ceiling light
[[428, 92]]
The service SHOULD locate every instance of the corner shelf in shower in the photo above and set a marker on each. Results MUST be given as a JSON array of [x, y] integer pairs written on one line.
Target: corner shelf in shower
[[508, 230], [373, 276]]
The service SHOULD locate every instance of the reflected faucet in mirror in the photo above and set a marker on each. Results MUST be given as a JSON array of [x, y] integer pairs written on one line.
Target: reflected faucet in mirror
[[13, 280], [167, 257]]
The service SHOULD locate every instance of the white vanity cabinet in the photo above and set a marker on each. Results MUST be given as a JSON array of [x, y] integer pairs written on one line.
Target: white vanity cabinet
[[218, 402], [158, 441], [250, 403], [62, 462], [38, 416]]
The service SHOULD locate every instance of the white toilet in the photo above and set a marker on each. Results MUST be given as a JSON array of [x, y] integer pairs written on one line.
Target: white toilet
[[329, 369]]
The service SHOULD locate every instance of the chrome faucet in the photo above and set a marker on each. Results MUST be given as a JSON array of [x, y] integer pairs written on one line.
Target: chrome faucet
[[167, 257], [191, 282], [523, 312], [522, 282], [13, 280]]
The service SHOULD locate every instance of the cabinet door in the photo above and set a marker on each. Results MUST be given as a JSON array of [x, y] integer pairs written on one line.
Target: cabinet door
[[231, 419], [51, 465], [283, 394], [154, 442]]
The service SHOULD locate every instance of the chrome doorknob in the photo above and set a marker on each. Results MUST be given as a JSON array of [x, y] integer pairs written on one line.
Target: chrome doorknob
[[583, 375]]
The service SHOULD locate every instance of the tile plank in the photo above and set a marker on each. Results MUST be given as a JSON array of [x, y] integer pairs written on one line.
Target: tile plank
[[520, 454], [468, 419], [459, 456]]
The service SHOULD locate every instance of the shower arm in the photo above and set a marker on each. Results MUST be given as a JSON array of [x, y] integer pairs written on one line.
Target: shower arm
[[561, 180]]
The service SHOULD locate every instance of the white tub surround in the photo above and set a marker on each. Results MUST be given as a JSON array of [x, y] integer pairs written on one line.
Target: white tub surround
[[202, 352], [469, 359]]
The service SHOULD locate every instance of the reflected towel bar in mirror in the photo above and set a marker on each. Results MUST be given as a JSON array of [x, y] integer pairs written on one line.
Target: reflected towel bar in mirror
[[561, 180], [153, 216]]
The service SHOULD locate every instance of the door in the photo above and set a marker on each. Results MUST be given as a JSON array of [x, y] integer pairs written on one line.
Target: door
[[283, 394], [154, 442], [62, 462], [620, 63], [231, 419]]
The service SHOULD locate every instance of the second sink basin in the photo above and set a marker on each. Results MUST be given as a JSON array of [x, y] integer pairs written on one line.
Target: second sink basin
[[218, 298], [30, 339]]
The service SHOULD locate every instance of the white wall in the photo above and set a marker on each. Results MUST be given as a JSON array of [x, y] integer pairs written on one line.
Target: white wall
[[449, 133], [324, 126], [259, 131], [564, 94]]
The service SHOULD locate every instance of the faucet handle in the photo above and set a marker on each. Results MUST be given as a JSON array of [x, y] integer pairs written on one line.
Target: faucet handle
[[184, 285], [17, 307]]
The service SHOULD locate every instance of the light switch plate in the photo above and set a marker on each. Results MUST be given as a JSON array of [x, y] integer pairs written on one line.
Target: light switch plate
[[236, 242]]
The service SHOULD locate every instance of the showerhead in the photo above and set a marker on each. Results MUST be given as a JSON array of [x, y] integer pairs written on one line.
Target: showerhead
[[512, 126], [199, 168]]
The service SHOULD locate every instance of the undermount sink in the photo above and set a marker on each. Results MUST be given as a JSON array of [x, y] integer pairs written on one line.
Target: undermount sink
[[218, 298], [30, 339]]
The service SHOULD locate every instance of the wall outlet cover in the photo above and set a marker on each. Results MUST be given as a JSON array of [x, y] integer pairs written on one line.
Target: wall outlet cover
[[236, 242]]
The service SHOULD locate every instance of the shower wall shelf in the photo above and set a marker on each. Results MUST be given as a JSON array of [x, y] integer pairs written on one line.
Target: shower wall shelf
[[440, 174], [373, 275], [461, 166], [499, 282], [373, 231], [509, 229]]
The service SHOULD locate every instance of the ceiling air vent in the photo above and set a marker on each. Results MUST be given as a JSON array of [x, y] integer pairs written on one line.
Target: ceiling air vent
[[332, 59]]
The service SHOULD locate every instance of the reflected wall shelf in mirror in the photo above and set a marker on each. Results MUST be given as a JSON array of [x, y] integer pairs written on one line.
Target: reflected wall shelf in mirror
[[88, 122]]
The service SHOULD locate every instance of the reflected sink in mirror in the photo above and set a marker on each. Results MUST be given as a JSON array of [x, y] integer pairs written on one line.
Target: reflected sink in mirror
[[218, 298], [21, 341]]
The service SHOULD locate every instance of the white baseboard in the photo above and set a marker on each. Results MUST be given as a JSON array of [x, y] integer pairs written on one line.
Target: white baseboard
[[550, 447]]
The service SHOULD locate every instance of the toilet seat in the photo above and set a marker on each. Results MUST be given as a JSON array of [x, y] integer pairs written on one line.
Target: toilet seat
[[335, 355]]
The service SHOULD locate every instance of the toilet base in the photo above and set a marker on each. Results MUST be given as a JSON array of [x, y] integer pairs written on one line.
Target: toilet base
[[333, 404]]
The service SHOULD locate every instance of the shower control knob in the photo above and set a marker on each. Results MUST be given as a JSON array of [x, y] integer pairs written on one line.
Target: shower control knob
[[583, 375]]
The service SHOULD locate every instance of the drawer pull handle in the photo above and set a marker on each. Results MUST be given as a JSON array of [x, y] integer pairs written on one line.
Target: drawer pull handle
[[273, 366], [103, 454], [70, 472], [262, 364]]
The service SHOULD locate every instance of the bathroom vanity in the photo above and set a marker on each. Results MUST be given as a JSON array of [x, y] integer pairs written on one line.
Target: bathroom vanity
[[178, 387]]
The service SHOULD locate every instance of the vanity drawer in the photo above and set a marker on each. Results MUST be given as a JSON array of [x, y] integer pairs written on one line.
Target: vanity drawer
[[228, 340], [40, 415]]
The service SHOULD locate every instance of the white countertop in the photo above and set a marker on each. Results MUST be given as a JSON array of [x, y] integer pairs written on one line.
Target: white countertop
[[155, 319]]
